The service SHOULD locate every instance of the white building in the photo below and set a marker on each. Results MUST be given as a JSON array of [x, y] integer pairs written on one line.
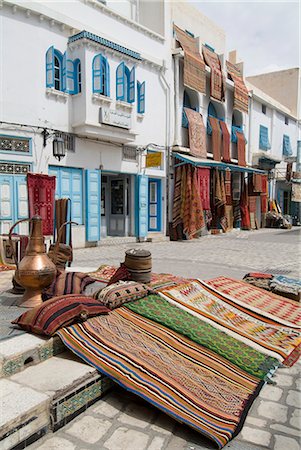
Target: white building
[[97, 76]]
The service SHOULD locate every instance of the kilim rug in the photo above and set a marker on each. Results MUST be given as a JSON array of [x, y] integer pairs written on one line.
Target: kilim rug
[[176, 210], [257, 182], [228, 189], [194, 66], [241, 96], [241, 149], [175, 317], [216, 138], [104, 273], [193, 217], [279, 309], [197, 133], [216, 76], [226, 142], [204, 184], [191, 384], [236, 185], [41, 192], [272, 339]]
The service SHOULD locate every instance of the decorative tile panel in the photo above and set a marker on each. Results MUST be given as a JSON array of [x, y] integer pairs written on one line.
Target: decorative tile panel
[[14, 144], [14, 168]]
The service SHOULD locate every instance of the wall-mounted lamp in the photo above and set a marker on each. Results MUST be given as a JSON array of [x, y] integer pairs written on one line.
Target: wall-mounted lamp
[[58, 144]]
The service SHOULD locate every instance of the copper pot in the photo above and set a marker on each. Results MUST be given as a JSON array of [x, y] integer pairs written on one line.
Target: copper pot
[[35, 271]]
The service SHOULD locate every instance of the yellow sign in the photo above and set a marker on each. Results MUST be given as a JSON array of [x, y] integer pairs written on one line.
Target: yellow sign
[[153, 159]]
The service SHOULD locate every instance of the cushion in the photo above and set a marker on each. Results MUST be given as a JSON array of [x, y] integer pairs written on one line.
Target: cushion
[[67, 283], [58, 312], [94, 287], [121, 274], [121, 292]]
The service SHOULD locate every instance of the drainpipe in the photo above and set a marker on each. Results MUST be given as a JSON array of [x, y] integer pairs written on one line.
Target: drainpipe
[[166, 88], [177, 100]]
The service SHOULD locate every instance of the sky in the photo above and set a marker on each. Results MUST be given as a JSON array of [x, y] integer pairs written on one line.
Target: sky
[[266, 33]]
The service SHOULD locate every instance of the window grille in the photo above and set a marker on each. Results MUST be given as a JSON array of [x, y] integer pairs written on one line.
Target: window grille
[[14, 168], [13, 144], [129, 153]]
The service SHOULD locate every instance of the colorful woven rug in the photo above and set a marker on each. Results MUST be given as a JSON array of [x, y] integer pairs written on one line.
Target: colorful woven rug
[[216, 138], [274, 340], [226, 142], [193, 217], [216, 76], [176, 210], [191, 384], [41, 192], [241, 96], [174, 316], [194, 66], [279, 309], [197, 133], [284, 285], [5, 268], [241, 149], [203, 175], [228, 189]]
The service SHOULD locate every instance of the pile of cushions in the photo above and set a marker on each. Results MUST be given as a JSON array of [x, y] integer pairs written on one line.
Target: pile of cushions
[[278, 284], [74, 297]]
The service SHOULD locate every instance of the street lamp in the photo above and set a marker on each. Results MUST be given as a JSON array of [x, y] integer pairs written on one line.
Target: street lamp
[[58, 144]]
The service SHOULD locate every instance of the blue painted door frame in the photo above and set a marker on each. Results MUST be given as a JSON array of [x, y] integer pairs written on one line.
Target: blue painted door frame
[[154, 205], [141, 215]]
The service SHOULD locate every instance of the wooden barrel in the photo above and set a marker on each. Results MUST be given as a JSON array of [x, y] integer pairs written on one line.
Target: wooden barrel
[[139, 264]]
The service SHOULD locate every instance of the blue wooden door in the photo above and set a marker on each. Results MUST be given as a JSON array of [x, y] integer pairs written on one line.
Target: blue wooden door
[[142, 206], [13, 202], [93, 205], [154, 204]]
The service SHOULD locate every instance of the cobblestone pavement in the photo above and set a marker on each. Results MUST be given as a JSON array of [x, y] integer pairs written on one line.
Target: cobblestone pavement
[[121, 421]]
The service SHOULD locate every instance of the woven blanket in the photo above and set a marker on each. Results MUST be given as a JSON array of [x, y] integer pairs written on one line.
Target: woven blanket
[[228, 189], [229, 216], [216, 76], [279, 309], [197, 133], [172, 315], [194, 66], [177, 199], [226, 142], [285, 284], [171, 372], [216, 138], [274, 340], [241, 96], [204, 183], [257, 182], [193, 217], [241, 149], [236, 185], [41, 191]]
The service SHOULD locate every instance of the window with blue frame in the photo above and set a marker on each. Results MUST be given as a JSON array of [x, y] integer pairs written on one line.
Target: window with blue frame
[[211, 113], [62, 73], [234, 130], [286, 146], [125, 83], [141, 97], [101, 75], [186, 104], [264, 138]]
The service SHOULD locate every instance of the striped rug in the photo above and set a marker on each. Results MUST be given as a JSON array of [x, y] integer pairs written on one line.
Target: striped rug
[[190, 383], [197, 297]]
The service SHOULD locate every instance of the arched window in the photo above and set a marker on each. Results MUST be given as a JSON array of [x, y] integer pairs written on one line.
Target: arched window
[[211, 110], [62, 73], [125, 83], [101, 75], [186, 104]]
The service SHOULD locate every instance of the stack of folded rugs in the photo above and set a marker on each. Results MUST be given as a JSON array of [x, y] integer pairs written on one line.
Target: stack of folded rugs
[[199, 351]]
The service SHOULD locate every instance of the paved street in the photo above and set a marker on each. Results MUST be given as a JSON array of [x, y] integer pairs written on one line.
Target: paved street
[[123, 422]]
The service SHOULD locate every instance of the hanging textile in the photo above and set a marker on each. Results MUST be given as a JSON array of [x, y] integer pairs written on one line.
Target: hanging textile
[[197, 133], [229, 216], [236, 185], [264, 194], [193, 217], [41, 192], [204, 184], [296, 192], [289, 171], [176, 211], [257, 182], [226, 142], [245, 214], [62, 215], [241, 149], [194, 66], [228, 187], [241, 95], [216, 76], [236, 213], [216, 138]]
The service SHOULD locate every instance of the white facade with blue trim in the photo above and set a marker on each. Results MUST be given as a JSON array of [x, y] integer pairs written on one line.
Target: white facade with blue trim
[[99, 78]]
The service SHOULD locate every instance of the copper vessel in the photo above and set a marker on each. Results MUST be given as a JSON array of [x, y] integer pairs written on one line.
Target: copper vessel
[[35, 271]]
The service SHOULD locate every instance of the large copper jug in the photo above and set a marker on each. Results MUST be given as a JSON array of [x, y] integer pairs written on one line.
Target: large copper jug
[[35, 271]]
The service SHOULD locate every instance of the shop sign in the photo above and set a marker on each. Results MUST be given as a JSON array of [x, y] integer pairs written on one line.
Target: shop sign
[[153, 159], [116, 118]]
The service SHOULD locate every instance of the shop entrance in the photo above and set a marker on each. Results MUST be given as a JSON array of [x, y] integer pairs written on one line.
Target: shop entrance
[[115, 194]]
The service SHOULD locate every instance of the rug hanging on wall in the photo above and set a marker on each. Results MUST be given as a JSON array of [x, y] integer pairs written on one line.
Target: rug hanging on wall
[[197, 133], [241, 95], [41, 195], [216, 138], [216, 75], [226, 142]]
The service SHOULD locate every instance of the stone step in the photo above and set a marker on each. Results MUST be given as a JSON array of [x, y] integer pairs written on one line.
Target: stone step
[[20, 352], [46, 396]]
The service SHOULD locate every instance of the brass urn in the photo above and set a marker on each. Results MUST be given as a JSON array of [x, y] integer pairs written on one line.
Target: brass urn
[[35, 271]]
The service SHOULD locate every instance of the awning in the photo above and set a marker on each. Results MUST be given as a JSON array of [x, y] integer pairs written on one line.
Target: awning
[[199, 162]]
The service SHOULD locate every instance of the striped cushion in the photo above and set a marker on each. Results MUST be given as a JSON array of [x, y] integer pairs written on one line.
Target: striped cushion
[[67, 283], [59, 312], [121, 292]]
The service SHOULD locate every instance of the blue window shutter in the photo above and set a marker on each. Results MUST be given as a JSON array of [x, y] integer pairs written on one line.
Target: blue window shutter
[[71, 85], [131, 86], [286, 146], [77, 196], [233, 133], [107, 79], [21, 197], [141, 97], [93, 205], [50, 67], [142, 206], [64, 75], [97, 74], [6, 198], [120, 74], [52, 170], [263, 138]]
